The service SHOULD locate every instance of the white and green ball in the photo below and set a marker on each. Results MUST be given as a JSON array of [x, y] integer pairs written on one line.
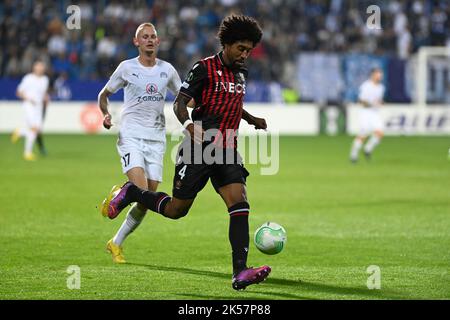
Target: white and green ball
[[270, 238]]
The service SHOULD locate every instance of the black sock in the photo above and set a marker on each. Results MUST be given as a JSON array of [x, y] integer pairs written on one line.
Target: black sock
[[238, 235], [154, 201], [40, 143]]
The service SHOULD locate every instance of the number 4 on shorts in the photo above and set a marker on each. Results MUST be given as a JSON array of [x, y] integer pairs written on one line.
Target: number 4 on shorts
[[182, 172]]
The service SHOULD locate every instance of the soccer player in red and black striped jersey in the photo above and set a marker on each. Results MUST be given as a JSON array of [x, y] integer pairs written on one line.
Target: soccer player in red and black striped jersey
[[217, 85]]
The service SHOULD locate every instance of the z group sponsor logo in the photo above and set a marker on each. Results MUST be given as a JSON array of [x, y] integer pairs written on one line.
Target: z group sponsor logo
[[154, 94]]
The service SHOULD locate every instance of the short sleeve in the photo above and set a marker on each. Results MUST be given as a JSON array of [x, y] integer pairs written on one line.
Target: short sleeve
[[23, 83], [194, 82], [116, 81], [174, 81]]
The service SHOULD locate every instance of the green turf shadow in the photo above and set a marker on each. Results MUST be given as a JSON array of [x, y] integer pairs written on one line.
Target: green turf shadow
[[302, 285], [244, 296], [325, 288]]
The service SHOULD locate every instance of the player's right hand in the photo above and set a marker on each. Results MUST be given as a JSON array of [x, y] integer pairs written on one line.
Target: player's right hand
[[107, 121], [196, 132]]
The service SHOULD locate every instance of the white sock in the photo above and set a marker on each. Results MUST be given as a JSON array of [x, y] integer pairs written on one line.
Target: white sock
[[356, 146], [132, 221], [30, 137], [371, 144]]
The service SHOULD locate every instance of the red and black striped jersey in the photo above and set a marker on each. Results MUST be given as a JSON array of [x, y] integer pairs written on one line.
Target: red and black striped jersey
[[218, 92]]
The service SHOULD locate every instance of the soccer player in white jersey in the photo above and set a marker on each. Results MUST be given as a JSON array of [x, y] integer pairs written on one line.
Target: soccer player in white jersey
[[142, 141], [371, 94], [33, 90]]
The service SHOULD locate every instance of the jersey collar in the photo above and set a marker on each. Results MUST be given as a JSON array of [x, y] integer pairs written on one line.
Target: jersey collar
[[220, 55], [222, 61]]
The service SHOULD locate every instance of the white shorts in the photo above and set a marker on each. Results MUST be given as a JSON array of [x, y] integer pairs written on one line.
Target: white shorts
[[142, 153], [369, 121], [33, 115]]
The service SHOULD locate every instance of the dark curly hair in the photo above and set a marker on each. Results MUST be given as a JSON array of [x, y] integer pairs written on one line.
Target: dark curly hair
[[236, 28]]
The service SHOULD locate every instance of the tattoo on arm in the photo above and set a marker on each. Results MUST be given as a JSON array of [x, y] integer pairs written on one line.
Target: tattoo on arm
[[180, 107]]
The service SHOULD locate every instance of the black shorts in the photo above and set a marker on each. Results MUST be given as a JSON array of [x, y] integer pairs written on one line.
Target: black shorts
[[191, 177]]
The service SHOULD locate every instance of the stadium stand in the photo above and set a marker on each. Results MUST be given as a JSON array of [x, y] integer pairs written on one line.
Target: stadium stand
[[333, 30]]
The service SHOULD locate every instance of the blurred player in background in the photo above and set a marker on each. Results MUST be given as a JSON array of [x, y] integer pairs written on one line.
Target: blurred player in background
[[371, 94], [33, 90], [217, 85], [142, 137]]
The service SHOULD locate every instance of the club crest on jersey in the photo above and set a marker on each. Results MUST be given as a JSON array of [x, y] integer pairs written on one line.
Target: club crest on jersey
[[151, 88], [241, 77], [163, 75]]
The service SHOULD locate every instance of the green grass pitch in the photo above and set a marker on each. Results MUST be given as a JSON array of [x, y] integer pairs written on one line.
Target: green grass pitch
[[340, 218]]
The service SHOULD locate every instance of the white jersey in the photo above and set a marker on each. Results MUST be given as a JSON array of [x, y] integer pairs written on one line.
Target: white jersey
[[369, 117], [145, 90], [34, 88], [371, 92]]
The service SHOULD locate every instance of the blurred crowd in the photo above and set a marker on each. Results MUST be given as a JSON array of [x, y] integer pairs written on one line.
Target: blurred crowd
[[32, 30]]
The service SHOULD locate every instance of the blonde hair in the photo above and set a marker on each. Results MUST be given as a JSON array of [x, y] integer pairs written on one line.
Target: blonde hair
[[142, 26]]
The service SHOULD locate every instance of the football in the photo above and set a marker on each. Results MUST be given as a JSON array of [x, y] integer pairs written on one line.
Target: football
[[270, 238]]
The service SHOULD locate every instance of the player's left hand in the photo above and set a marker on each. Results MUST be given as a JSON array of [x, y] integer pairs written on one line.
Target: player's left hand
[[259, 123], [107, 121]]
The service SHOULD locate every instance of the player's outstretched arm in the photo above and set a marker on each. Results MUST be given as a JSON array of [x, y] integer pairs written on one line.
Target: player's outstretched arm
[[259, 123], [103, 104]]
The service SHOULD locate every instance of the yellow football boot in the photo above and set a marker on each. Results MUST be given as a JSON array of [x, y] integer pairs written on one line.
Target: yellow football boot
[[105, 203], [116, 252], [15, 136], [29, 157]]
